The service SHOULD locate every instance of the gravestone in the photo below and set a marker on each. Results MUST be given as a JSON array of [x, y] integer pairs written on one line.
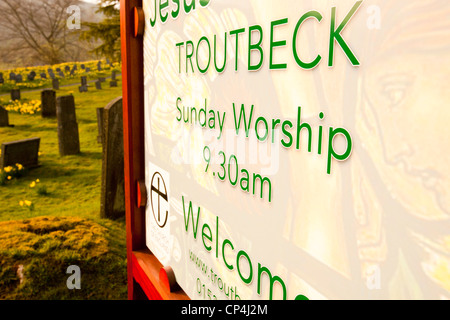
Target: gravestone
[[12, 76], [58, 69], [88, 69], [68, 137], [102, 79], [31, 76], [83, 80], [113, 75], [15, 94], [2, 80], [99, 66], [67, 68], [24, 152], [61, 74], [43, 75], [4, 119], [72, 72], [113, 84], [112, 202], [83, 66], [55, 84], [48, 103], [83, 88], [19, 78], [100, 124], [98, 85]]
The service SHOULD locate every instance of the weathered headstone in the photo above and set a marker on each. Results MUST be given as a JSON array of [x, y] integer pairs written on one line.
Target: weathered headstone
[[48, 103], [83, 66], [113, 75], [67, 68], [98, 85], [30, 77], [55, 84], [88, 69], [102, 79], [83, 80], [15, 94], [12, 76], [113, 84], [43, 75], [112, 203], [68, 137], [4, 119], [19, 78], [99, 66], [58, 69], [25, 152], [83, 88], [2, 80], [100, 124], [61, 74]]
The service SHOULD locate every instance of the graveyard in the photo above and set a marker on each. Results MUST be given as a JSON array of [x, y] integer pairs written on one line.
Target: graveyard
[[50, 214]]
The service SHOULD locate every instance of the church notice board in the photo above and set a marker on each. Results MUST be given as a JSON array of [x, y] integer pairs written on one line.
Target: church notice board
[[292, 149]]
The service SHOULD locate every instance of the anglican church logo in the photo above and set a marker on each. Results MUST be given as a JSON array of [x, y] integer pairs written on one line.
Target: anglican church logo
[[159, 200]]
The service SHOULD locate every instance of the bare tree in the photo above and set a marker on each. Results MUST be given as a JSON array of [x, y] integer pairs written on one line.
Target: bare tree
[[38, 28]]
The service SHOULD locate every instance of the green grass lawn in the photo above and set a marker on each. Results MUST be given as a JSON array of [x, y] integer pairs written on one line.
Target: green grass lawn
[[68, 188]]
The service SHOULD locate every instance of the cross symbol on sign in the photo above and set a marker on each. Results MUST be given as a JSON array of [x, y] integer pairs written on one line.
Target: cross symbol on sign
[[161, 192]]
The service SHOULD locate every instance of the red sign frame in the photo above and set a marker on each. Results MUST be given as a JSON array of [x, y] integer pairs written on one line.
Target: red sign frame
[[147, 277]]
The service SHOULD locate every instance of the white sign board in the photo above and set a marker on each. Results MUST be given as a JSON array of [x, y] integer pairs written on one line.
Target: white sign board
[[299, 148]]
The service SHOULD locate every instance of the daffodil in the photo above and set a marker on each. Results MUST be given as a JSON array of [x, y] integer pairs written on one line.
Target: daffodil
[[27, 203], [32, 184], [21, 203]]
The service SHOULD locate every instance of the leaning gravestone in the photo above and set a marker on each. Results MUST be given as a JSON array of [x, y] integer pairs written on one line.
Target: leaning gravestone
[[24, 152], [68, 137], [4, 119], [61, 74], [48, 103], [15, 94], [55, 84], [112, 202]]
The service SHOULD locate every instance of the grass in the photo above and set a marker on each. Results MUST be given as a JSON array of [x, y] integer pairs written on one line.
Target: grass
[[68, 189], [38, 83]]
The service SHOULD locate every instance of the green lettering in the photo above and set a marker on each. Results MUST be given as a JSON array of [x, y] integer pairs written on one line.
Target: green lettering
[[274, 44], [335, 35]]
